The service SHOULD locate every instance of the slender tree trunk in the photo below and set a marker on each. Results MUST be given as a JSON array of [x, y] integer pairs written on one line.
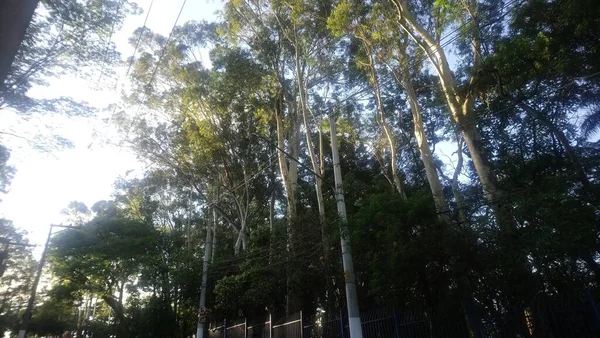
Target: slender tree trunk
[[433, 178], [272, 211], [316, 165], [289, 173], [458, 197], [215, 221], [387, 131], [189, 223], [461, 108]]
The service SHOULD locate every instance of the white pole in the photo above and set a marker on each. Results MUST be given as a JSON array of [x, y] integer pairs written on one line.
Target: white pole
[[205, 262], [351, 295]]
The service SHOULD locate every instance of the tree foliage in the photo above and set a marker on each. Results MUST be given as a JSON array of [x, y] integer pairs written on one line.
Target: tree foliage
[[467, 170]]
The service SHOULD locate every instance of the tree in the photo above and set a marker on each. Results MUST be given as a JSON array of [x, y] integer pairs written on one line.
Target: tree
[[53, 46], [101, 256], [17, 268]]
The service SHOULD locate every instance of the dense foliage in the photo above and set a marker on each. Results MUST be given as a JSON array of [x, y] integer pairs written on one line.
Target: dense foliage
[[466, 131]]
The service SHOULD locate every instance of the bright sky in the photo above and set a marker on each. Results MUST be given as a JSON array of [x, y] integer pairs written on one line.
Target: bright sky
[[46, 182]]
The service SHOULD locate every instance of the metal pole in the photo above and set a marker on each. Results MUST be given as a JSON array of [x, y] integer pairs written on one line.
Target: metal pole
[[301, 325], [205, 262], [245, 327], [27, 315], [270, 325], [349, 276], [342, 333]]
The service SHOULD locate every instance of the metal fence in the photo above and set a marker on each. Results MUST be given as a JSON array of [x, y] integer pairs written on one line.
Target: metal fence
[[543, 318]]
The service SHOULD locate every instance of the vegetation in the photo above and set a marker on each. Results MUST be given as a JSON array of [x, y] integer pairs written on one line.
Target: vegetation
[[466, 132]]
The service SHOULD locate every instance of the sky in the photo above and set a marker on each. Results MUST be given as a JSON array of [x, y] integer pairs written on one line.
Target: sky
[[46, 181]]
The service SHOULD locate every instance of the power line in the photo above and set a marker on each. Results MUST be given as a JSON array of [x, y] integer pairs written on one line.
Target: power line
[[109, 40], [137, 44], [112, 114], [162, 54]]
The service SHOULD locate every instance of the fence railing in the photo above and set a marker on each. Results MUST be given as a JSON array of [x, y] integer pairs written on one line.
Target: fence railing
[[547, 318]]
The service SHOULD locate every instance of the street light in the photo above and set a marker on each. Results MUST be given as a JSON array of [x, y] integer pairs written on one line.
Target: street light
[[28, 311]]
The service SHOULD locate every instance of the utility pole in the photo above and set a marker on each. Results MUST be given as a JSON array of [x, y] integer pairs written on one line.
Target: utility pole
[[15, 16], [28, 311], [349, 275], [36, 281], [205, 262]]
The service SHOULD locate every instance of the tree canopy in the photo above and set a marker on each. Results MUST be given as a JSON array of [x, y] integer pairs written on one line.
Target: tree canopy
[[469, 155]]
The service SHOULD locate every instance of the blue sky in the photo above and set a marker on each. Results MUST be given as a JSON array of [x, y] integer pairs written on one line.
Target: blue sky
[[45, 182]]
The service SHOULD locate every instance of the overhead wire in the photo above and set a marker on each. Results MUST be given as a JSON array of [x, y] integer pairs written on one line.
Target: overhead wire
[[109, 40], [131, 61], [156, 67]]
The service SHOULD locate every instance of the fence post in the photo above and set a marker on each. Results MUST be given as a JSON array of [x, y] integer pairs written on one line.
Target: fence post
[[225, 328], [245, 327], [590, 300], [342, 335], [270, 325], [301, 325], [396, 323]]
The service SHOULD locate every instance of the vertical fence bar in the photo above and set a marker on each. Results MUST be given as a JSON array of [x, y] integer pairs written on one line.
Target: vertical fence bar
[[342, 323], [225, 328], [301, 325], [396, 323], [270, 325], [245, 327]]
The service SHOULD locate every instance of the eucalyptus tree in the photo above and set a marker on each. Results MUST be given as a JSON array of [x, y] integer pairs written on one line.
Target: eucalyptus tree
[[389, 52], [255, 27], [209, 137], [460, 91]]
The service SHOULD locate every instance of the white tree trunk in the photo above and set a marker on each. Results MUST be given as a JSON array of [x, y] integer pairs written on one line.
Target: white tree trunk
[[387, 130], [433, 178], [461, 108]]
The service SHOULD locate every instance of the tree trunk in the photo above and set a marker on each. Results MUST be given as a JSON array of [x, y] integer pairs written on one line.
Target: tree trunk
[[458, 197], [214, 238], [119, 311], [433, 178], [461, 108], [316, 164], [289, 173], [387, 131]]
